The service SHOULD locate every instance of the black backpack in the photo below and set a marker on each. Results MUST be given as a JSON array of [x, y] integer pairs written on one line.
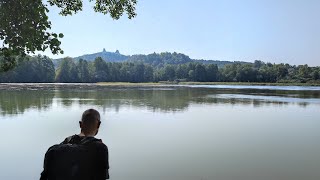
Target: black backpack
[[68, 161]]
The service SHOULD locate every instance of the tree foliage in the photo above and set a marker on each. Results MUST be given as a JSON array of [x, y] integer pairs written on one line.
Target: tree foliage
[[25, 26], [41, 69]]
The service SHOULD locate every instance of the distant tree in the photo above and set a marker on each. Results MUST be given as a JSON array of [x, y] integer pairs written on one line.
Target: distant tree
[[212, 73], [303, 71], [125, 71], [200, 73], [45, 69], [191, 75], [229, 72], [169, 73], [148, 73], [258, 64], [74, 73], [101, 70], [282, 71], [114, 74], [83, 70], [67, 71], [181, 71], [138, 72], [267, 74], [316, 74], [246, 73]]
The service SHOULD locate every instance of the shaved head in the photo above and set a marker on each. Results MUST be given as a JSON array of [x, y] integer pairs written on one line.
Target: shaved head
[[90, 121]]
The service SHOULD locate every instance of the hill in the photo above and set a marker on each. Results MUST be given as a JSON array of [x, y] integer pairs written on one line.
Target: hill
[[154, 59], [107, 56]]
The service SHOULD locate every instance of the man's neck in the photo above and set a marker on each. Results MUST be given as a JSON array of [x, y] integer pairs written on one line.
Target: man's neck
[[86, 135]]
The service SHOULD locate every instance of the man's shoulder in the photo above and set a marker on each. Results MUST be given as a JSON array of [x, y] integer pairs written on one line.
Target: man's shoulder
[[99, 144], [75, 140], [93, 145], [72, 139]]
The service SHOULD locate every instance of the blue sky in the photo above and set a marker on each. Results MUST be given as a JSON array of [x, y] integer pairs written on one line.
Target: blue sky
[[274, 31]]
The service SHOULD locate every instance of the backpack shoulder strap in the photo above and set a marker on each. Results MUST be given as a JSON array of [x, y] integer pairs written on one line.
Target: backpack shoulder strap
[[70, 139], [89, 140]]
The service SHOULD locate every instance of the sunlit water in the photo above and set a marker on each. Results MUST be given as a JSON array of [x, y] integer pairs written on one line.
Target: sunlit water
[[178, 133]]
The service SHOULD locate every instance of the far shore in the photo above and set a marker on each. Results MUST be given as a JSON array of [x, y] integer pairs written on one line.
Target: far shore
[[204, 83], [162, 84]]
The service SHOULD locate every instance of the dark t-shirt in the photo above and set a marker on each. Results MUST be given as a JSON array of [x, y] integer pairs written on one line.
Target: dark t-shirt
[[97, 162]]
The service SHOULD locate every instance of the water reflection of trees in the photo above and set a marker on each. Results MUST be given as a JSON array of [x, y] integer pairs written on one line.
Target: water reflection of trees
[[16, 102], [156, 99], [163, 100]]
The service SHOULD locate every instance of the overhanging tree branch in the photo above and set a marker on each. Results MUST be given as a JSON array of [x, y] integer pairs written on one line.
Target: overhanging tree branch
[[24, 24]]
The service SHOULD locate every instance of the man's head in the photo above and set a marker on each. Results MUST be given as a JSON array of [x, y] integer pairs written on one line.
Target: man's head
[[90, 122]]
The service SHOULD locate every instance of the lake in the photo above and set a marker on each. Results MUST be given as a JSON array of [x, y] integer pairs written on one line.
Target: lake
[[169, 132]]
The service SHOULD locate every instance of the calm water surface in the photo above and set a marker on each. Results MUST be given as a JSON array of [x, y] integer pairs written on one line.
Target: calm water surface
[[178, 132]]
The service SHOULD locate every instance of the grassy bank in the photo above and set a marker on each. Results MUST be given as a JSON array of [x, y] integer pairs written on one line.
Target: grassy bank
[[249, 83], [128, 84], [125, 84]]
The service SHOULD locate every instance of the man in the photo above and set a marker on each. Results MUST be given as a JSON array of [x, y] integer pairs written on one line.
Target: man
[[80, 157]]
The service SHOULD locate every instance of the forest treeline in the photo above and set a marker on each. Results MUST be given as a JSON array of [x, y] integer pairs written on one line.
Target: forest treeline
[[41, 69]]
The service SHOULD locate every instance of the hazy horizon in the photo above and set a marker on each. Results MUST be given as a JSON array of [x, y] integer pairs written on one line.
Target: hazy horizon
[[272, 31], [56, 57]]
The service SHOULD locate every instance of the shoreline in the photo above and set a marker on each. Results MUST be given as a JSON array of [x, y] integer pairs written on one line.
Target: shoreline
[[203, 83], [158, 84], [127, 85], [249, 84]]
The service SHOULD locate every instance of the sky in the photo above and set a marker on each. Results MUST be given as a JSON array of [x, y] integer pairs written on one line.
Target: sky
[[276, 31]]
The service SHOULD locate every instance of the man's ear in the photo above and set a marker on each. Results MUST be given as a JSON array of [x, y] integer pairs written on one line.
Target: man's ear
[[80, 124], [99, 124]]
